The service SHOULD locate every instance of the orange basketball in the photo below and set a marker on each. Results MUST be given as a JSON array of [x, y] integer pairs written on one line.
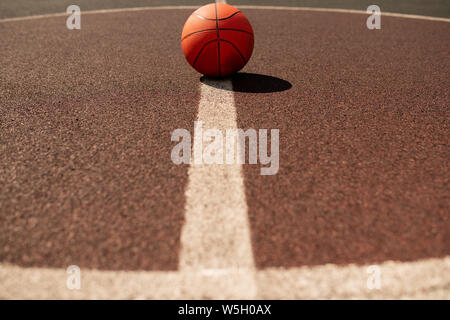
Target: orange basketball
[[217, 40]]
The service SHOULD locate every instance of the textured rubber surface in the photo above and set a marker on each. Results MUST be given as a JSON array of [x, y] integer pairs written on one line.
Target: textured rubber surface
[[86, 176], [22, 8], [437, 8], [363, 140], [19, 8]]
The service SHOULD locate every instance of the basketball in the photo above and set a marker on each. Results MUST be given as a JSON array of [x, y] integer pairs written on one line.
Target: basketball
[[217, 40]]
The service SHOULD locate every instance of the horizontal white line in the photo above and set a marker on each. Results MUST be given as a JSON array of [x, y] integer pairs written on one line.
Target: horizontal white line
[[51, 15], [389, 14], [424, 279]]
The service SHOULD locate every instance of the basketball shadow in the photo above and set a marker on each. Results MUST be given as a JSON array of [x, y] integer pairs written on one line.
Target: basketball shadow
[[250, 83]]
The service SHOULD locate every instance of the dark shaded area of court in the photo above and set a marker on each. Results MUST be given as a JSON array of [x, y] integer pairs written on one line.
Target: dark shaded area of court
[[20, 8]]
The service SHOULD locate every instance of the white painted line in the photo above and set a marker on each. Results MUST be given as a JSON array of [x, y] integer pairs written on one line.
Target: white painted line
[[215, 238], [424, 279], [64, 14], [388, 14]]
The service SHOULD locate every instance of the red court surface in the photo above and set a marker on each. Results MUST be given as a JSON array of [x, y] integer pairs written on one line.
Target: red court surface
[[85, 130], [364, 140], [85, 155]]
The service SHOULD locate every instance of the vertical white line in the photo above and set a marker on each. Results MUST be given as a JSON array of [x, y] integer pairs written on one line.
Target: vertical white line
[[216, 246], [216, 259]]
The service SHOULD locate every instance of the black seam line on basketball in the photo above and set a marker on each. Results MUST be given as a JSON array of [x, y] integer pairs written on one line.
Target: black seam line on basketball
[[221, 19], [198, 55], [235, 48], [218, 41], [190, 34], [206, 30], [238, 30]]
